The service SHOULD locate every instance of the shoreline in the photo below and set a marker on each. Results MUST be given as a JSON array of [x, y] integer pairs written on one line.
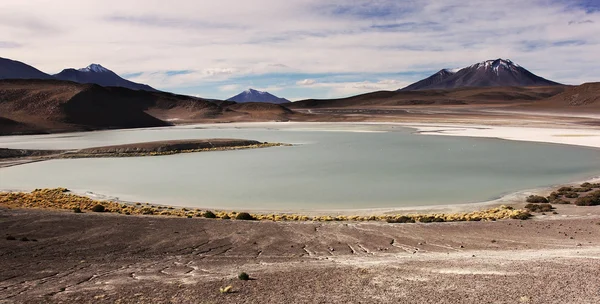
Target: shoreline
[[64, 199], [513, 199], [462, 130]]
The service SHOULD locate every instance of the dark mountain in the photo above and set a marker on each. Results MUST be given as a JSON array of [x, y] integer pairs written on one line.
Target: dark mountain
[[10, 69], [431, 80], [102, 76], [490, 73], [45, 106], [252, 95]]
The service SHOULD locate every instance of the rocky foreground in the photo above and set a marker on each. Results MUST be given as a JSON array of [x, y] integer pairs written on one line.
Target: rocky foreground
[[65, 257]]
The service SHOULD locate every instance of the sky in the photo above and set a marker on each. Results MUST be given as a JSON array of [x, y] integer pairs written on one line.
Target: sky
[[300, 49]]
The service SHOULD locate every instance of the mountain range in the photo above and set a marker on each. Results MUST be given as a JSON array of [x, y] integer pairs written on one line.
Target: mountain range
[[252, 95], [94, 73], [100, 75], [489, 73], [11, 69]]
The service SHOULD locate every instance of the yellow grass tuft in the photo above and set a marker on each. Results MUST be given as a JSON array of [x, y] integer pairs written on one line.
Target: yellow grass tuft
[[61, 198], [227, 289]]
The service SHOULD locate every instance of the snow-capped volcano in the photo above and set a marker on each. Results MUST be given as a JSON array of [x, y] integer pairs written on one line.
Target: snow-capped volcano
[[96, 73], [489, 73], [251, 95], [94, 68], [497, 65]]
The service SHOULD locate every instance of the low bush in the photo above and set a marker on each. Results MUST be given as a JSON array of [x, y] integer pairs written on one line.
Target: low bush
[[226, 217], [565, 189], [98, 208], [401, 219], [77, 210], [244, 276], [209, 214], [560, 201], [592, 199], [539, 207], [536, 199], [553, 196], [590, 185], [24, 239], [571, 195], [521, 216], [244, 216], [10, 238], [431, 219], [147, 211]]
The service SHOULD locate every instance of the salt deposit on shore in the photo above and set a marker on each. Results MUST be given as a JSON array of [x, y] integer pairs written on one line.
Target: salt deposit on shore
[[578, 137]]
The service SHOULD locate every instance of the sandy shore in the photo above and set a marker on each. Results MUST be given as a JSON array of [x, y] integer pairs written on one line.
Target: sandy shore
[[568, 136]]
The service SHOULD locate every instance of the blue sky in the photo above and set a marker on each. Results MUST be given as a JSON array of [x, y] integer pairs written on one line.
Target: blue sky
[[301, 48]]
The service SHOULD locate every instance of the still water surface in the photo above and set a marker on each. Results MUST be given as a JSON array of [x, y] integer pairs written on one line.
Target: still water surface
[[331, 166]]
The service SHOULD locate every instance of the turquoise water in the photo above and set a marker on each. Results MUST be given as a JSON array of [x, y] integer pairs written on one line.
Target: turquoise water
[[331, 166]]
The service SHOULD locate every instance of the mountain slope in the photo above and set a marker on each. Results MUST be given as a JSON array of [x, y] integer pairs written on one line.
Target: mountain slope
[[100, 75], [252, 95], [489, 73], [431, 80], [445, 97], [11, 69], [585, 96], [48, 106]]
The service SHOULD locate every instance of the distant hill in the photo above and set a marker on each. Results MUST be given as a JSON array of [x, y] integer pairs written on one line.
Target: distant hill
[[48, 106], [489, 73], [252, 95], [583, 96], [458, 96], [100, 75], [11, 69]]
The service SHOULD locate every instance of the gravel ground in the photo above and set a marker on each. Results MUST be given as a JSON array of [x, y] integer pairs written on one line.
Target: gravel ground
[[108, 258]]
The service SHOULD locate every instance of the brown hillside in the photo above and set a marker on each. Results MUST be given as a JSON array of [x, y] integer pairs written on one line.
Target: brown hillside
[[436, 97], [586, 95], [41, 106], [56, 106], [260, 110]]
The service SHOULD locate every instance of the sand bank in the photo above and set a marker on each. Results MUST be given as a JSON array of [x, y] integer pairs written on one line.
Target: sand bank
[[13, 157], [568, 136]]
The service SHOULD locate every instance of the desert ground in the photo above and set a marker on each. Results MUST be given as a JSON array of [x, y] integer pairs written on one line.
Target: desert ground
[[107, 258]]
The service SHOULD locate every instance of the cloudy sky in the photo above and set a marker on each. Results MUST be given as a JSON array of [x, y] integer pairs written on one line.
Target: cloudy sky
[[300, 48]]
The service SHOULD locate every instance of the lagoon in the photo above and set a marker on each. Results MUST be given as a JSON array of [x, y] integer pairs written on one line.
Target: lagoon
[[330, 166]]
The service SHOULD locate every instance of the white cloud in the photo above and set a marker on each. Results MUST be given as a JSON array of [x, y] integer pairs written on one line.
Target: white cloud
[[306, 82], [341, 89], [229, 87], [219, 40]]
